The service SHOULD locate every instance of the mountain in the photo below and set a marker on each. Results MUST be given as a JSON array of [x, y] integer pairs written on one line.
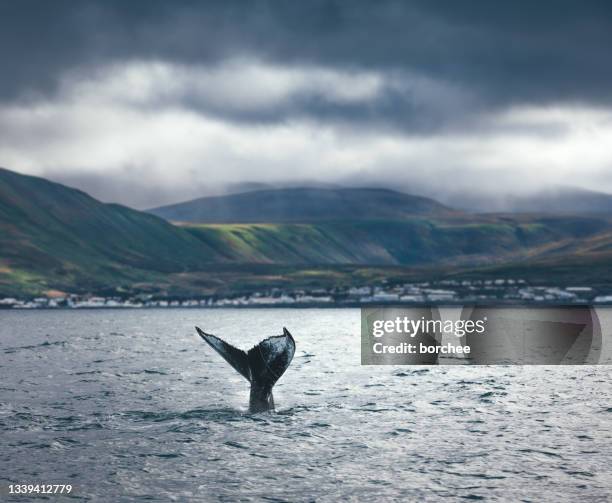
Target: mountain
[[413, 241], [554, 200], [53, 234], [53, 237], [302, 205]]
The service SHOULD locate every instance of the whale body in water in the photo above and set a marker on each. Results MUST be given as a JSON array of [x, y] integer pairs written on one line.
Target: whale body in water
[[262, 365]]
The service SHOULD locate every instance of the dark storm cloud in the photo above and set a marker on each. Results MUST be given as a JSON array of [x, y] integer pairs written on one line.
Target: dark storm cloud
[[503, 52], [149, 102]]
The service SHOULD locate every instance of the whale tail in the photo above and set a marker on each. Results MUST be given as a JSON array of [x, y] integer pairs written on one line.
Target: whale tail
[[262, 365]]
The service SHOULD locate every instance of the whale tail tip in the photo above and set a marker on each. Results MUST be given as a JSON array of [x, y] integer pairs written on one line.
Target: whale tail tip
[[263, 364]]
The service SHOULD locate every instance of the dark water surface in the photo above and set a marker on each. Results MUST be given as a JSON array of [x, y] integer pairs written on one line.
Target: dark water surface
[[132, 405]]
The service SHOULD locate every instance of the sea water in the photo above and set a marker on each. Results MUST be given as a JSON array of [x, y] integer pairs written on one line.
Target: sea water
[[132, 405]]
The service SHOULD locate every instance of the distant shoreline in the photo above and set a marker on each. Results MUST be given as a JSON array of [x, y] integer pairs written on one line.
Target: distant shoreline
[[492, 303]]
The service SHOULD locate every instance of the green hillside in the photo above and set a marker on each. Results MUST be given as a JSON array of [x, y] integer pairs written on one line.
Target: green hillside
[[410, 242], [52, 236], [56, 238]]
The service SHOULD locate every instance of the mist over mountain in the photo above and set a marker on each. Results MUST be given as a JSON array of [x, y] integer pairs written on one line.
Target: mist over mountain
[[215, 206], [304, 204], [555, 200]]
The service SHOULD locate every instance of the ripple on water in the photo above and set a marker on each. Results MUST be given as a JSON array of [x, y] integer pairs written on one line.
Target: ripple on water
[[145, 411], [42, 345]]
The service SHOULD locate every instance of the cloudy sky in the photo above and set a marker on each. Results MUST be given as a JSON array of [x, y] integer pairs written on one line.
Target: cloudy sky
[[148, 103]]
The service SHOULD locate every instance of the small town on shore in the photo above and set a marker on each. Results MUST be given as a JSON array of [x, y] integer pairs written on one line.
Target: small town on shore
[[511, 291]]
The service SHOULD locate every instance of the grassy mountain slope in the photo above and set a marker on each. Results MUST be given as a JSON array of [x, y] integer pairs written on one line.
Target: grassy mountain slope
[[412, 242], [302, 205], [56, 238], [51, 231]]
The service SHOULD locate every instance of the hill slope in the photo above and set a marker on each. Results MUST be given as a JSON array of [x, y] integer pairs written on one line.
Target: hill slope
[[55, 237], [302, 205], [52, 231], [411, 242]]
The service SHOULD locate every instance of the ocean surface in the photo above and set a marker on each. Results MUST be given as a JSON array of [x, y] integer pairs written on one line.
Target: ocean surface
[[131, 405]]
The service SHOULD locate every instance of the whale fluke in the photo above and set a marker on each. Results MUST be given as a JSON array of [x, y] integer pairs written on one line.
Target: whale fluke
[[234, 356], [262, 365]]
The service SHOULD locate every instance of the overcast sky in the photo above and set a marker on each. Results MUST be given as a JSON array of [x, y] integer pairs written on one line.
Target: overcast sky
[[151, 102]]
